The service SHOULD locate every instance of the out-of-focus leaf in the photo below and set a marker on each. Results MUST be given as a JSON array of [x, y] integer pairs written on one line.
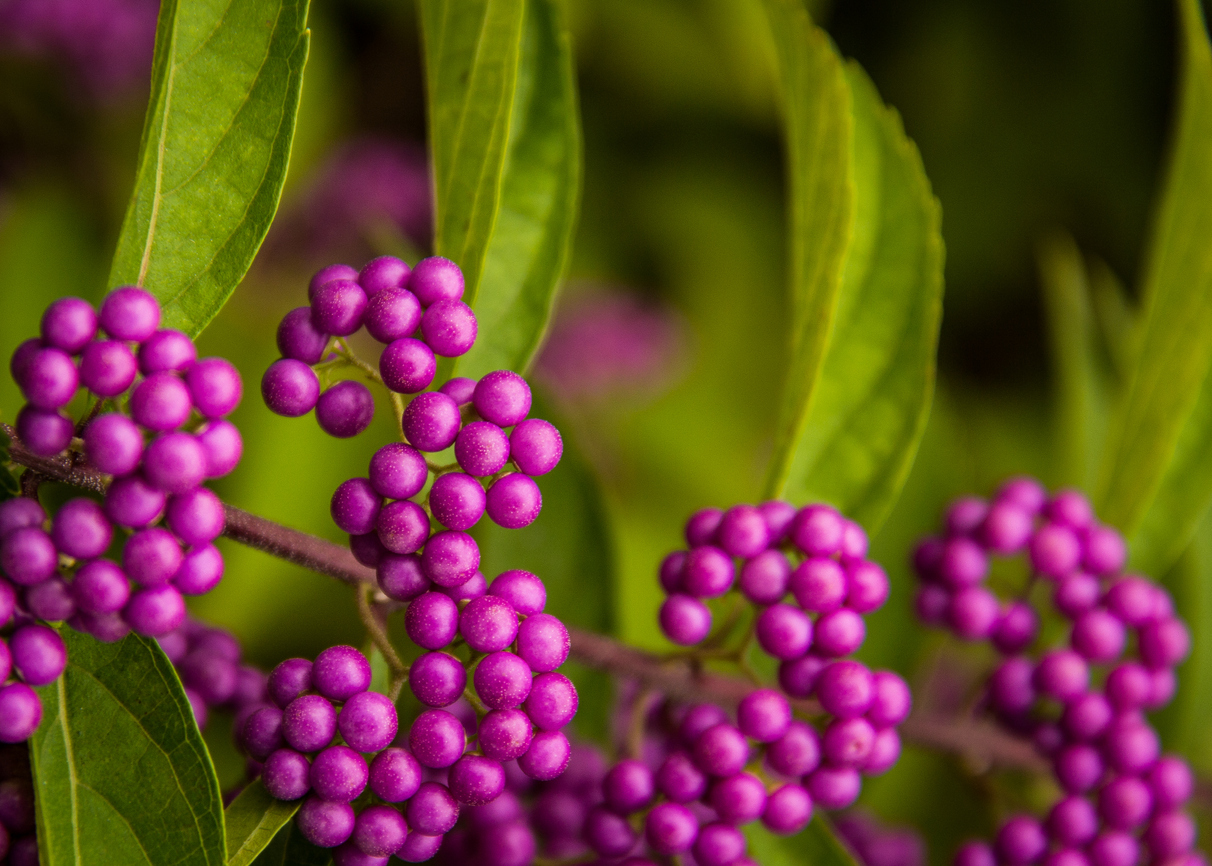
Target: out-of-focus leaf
[[289, 848], [472, 49], [253, 820], [818, 132], [225, 90], [8, 484], [538, 205], [1156, 475], [570, 548], [1079, 391], [120, 770], [869, 409], [816, 844]]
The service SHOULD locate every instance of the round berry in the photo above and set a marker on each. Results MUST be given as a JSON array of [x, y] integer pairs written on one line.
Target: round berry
[[450, 558], [437, 739], [151, 557], [547, 757], [783, 631], [866, 586], [355, 506], [435, 279], [100, 587], [174, 462], [817, 530], [535, 446], [20, 712], [502, 680], [819, 584], [765, 577], [345, 409], [457, 500], [543, 642], [38, 653], [197, 517], [290, 388], [309, 723], [222, 447], [764, 715], [685, 620], [44, 432], [28, 556], [743, 531], [337, 307], [155, 611], [707, 572], [502, 397], [340, 672], [395, 775], [392, 314], [476, 780], [167, 351], [398, 471], [552, 701], [401, 577], [449, 327], [131, 501], [670, 828], [788, 809], [161, 402], [431, 421], [68, 324], [298, 337], [738, 799], [482, 448], [326, 275], [80, 529], [488, 624], [379, 831], [437, 679], [49, 379], [129, 313], [407, 366], [107, 368], [796, 753], [721, 750], [505, 734], [338, 774], [701, 526], [324, 823]]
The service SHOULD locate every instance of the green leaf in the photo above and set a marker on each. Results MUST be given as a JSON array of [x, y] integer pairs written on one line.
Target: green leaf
[[1156, 474], [253, 820], [816, 844], [216, 141], [120, 770], [1079, 385], [819, 129], [869, 408], [472, 49], [530, 242], [289, 848]]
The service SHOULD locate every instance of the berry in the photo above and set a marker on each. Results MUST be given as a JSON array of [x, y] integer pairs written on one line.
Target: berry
[[107, 368], [328, 274], [670, 828], [132, 502], [431, 421], [113, 444], [505, 734], [355, 506], [432, 811], [502, 397], [476, 780], [543, 642], [324, 823], [685, 620], [502, 680], [309, 723], [457, 500], [438, 680], [783, 631], [402, 527], [483, 449], [394, 775], [222, 447], [449, 327], [167, 351], [290, 388], [197, 517], [488, 624], [129, 313], [552, 701], [407, 366], [44, 432], [49, 379], [345, 409], [174, 462], [337, 307], [155, 611], [80, 529], [298, 338], [450, 558], [340, 672], [338, 774], [398, 471], [547, 757], [435, 279], [535, 446], [392, 314], [379, 831], [38, 654], [432, 620], [384, 272], [161, 402], [68, 324], [20, 712], [151, 557]]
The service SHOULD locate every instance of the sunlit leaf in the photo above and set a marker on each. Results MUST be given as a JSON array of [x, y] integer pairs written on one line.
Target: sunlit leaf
[[253, 820]]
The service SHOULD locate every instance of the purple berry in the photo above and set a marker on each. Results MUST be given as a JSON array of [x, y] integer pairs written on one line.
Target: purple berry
[[608, 834], [44, 432], [345, 409], [261, 733], [431, 421], [1062, 674], [738, 799], [839, 633], [401, 577], [1007, 528], [51, 600], [68, 324], [80, 529], [151, 557], [222, 447], [685, 620], [488, 624], [290, 388], [355, 506], [1021, 840], [846, 689], [379, 831], [721, 750], [476, 780], [107, 368], [289, 680], [337, 307], [38, 653], [340, 672], [368, 722], [167, 351], [502, 680], [449, 327], [129, 313], [502, 397], [298, 338], [1072, 822], [398, 471], [155, 611], [1016, 628], [49, 379], [1103, 550], [20, 712], [1098, 636], [28, 556], [707, 573], [783, 631], [309, 723], [324, 823], [796, 753], [1078, 768], [450, 558], [819, 585], [1164, 643], [514, 501], [764, 715], [701, 526], [552, 701], [847, 742], [543, 642], [505, 735], [215, 387], [866, 587], [719, 845], [547, 757], [432, 620], [435, 279], [174, 462], [457, 500], [326, 275], [535, 446], [392, 314], [973, 612], [197, 517], [523, 590], [437, 679], [670, 828], [1054, 550], [407, 366], [338, 774], [113, 444], [161, 402], [1125, 802], [402, 527], [788, 809], [963, 563], [437, 739], [765, 577], [395, 775], [482, 448], [817, 530]]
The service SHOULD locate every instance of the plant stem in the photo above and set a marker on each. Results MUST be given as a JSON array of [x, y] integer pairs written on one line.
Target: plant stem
[[377, 629]]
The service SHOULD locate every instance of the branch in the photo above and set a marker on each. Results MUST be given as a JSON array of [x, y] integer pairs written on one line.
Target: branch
[[979, 742]]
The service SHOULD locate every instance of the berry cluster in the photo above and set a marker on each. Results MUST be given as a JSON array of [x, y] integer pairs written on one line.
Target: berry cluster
[[530, 817], [17, 819], [818, 558], [875, 844], [1082, 703], [159, 455], [208, 661], [524, 705]]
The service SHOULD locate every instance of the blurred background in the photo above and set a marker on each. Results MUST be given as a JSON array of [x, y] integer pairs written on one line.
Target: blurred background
[[664, 360]]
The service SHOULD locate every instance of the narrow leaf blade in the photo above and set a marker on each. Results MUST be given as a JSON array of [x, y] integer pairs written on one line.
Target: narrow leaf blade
[[472, 49], [1156, 474], [530, 241], [876, 383], [816, 844], [289, 848], [121, 774], [817, 119], [253, 820], [216, 142]]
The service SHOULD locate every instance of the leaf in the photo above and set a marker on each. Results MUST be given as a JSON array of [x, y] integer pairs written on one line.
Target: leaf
[[289, 848], [530, 241], [816, 844], [1156, 475], [253, 820], [817, 118], [472, 49], [120, 770], [1079, 387], [571, 549], [871, 402], [8, 484], [216, 142]]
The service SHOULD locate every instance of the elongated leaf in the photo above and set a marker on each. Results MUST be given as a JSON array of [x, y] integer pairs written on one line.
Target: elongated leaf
[[1156, 478], [253, 820], [289, 848], [121, 774], [1079, 387], [817, 118], [472, 49], [816, 844], [538, 205], [872, 400], [225, 90]]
